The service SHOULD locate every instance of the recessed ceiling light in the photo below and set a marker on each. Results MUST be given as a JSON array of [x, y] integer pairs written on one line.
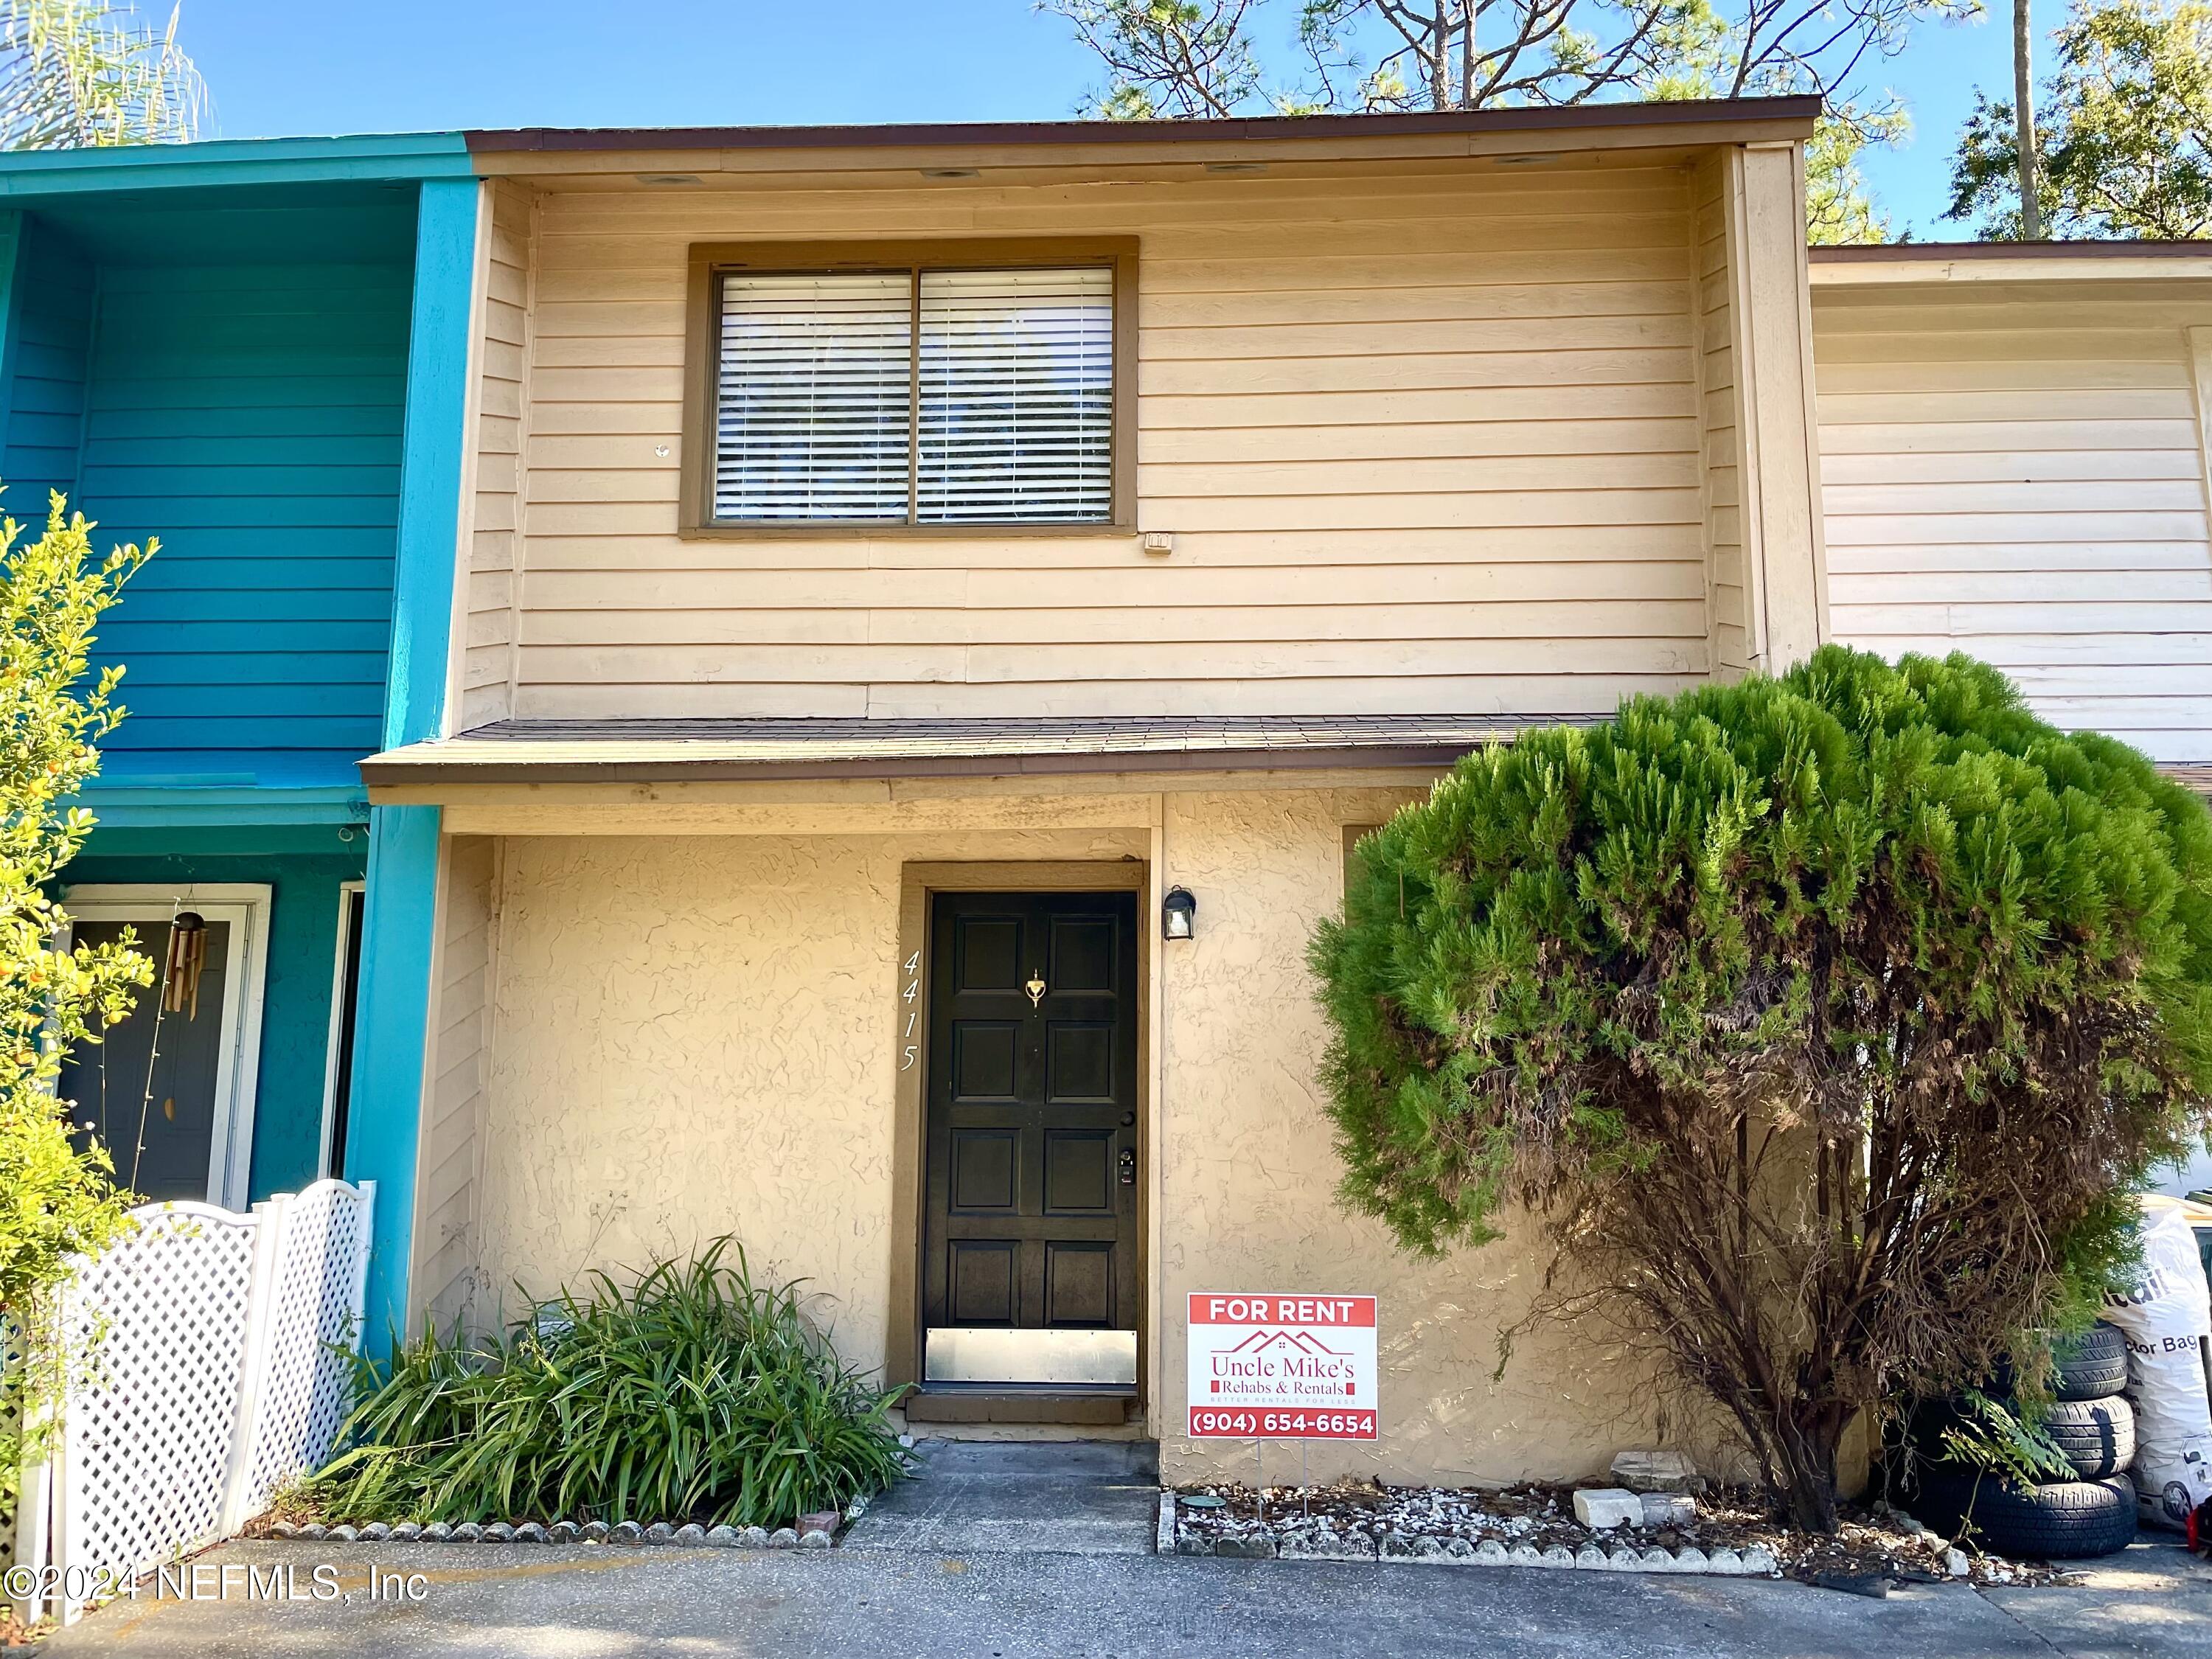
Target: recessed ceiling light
[[950, 172], [668, 178]]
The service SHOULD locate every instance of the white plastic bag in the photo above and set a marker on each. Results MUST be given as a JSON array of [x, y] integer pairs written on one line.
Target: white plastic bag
[[2167, 1317]]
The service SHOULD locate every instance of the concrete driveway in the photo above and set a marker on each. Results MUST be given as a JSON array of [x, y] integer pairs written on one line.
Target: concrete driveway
[[494, 1602]]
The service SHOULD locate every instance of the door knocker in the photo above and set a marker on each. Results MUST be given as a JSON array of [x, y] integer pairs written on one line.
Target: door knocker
[[1036, 988]]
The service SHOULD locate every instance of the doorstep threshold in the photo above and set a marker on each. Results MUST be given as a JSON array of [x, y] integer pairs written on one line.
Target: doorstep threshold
[[1019, 1402]]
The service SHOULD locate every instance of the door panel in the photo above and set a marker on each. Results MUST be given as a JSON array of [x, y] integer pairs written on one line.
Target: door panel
[[1079, 1284], [1030, 1213], [984, 1166], [1078, 1171], [1079, 1064]]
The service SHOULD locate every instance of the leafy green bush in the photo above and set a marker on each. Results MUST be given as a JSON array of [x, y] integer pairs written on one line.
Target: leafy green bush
[[1829, 1019], [57, 1199], [690, 1393]]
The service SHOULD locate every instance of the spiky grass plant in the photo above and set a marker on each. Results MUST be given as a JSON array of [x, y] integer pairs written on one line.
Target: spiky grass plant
[[691, 1393]]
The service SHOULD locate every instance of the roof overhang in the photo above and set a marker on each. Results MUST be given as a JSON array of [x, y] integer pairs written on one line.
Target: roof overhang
[[688, 151], [586, 150], [2008, 262], [374, 156], [647, 776], [631, 752]]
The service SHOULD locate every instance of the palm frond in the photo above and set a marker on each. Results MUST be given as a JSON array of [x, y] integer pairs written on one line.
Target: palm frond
[[80, 73]]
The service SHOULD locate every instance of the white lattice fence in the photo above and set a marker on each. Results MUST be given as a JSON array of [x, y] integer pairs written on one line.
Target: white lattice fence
[[146, 1433], [207, 1379], [8, 1483], [302, 1381]]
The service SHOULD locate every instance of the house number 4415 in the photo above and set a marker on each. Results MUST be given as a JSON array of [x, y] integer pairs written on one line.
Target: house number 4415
[[911, 967]]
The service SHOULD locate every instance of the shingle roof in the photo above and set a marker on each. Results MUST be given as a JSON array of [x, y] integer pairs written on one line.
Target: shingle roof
[[543, 750], [646, 750]]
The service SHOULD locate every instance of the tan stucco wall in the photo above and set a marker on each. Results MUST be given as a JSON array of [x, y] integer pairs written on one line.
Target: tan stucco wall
[[1249, 1173], [695, 1035]]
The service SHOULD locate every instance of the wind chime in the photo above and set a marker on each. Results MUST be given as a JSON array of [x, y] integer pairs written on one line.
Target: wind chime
[[180, 977]]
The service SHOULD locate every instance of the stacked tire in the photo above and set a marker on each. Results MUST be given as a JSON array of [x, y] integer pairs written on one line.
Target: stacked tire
[[2089, 1421]]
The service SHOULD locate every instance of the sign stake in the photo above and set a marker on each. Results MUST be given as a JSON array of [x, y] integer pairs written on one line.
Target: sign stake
[[1273, 1366]]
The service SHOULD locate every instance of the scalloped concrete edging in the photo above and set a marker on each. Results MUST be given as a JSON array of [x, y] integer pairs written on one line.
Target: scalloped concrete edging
[[1757, 1562], [689, 1536]]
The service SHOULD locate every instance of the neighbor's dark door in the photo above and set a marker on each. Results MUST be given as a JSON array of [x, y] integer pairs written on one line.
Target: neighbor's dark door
[[356, 912], [1030, 1215], [124, 1088]]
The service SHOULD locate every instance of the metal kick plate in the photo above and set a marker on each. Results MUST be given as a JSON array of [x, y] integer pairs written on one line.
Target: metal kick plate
[[972, 1354]]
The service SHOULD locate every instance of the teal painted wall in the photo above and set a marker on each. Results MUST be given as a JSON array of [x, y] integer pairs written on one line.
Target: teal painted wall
[[249, 415], [49, 336], [304, 867], [402, 914], [277, 379], [227, 370]]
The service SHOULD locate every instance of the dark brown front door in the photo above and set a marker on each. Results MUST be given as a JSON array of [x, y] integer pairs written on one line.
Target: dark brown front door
[[1029, 1270]]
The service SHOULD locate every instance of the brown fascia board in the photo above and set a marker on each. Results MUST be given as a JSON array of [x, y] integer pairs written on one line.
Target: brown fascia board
[[927, 135], [1865, 254], [378, 774]]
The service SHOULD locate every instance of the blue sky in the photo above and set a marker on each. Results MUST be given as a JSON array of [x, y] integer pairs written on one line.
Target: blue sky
[[283, 67]]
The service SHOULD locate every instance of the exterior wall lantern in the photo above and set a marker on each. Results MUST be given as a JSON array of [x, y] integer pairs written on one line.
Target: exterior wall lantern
[[1178, 914]]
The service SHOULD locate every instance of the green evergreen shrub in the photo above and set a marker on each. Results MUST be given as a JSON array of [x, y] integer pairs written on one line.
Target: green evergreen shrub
[[688, 1394], [1829, 1020]]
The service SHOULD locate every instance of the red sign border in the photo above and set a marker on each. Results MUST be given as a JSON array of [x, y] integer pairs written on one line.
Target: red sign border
[[1366, 1315]]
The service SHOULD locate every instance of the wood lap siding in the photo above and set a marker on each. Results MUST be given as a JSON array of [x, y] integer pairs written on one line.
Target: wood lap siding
[[494, 580], [444, 1273], [250, 417], [44, 410], [1428, 441], [2016, 473]]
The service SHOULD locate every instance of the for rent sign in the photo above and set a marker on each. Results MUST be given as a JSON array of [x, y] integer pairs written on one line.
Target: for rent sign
[[1282, 1367]]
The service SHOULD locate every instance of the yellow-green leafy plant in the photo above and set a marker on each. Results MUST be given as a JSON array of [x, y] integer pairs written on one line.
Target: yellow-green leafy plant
[[58, 1195]]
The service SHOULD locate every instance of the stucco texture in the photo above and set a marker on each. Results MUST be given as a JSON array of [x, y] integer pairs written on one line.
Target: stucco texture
[[695, 1035], [1248, 1174]]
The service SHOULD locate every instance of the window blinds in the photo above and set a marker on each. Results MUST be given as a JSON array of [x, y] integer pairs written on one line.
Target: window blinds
[[813, 417], [1017, 396], [980, 396]]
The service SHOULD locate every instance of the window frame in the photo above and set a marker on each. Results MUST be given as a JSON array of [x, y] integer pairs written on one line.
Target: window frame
[[710, 262]]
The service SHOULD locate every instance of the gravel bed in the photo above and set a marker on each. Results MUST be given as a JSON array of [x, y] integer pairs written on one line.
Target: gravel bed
[[1534, 1525]]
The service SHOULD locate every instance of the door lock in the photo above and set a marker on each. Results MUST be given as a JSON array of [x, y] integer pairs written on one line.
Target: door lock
[[1128, 1166]]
